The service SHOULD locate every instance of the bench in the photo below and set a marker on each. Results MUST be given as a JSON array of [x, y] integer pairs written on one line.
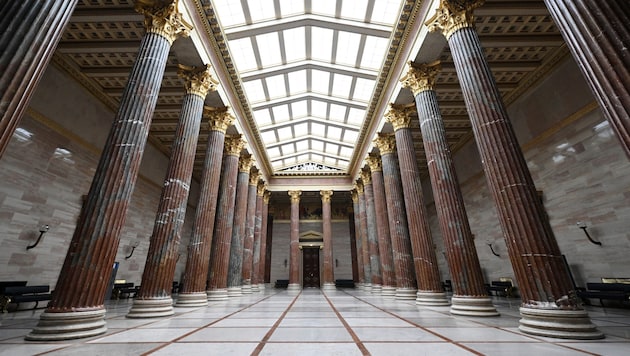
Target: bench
[[125, 289], [344, 283], [24, 294], [604, 291], [281, 283], [447, 285], [503, 287]]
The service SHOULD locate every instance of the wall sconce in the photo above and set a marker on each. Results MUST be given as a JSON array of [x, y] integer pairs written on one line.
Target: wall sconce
[[336, 262], [42, 231], [285, 263], [492, 249], [133, 248], [582, 225]]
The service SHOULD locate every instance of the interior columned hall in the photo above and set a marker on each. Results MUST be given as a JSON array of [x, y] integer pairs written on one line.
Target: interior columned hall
[[370, 177]]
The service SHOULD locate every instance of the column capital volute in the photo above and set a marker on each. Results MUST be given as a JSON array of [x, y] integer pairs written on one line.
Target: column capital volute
[[197, 80], [261, 188], [234, 144], [295, 195], [326, 195], [399, 116], [266, 197], [359, 186], [421, 77], [245, 163], [163, 18], [374, 161], [386, 143], [366, 177], [354, 194], [219, 119], [453, 15]]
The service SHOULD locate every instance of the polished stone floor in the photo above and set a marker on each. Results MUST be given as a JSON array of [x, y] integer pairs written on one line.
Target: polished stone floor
[[342, 322]]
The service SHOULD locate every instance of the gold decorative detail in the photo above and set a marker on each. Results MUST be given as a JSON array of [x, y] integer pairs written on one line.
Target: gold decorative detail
[[326, 195], [366, 177], [163, 18], [359, 187], [453, 15], [234, 145], [355, 194], [375, 163], [261, 188], [386, 143], [295, 195], [219, 119], [198, 80], [245, 163], [421, 77], [399, 116], [267, 197]]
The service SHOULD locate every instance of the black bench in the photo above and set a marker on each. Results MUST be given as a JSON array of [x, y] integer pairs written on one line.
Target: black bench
[[24, 294], [124, 290], [344, 283], [605, 291], [502, 287], [281, 283]]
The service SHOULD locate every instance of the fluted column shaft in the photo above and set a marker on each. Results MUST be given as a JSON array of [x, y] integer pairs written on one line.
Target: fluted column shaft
[[82, 285], [154, 299], [598, 33], [269, 239], [355, 230], [29, 33], [248, 242], [328, 275], [294, 257], [195, 278], [372, 238], [365, 251], [256, 280], [263, 238]]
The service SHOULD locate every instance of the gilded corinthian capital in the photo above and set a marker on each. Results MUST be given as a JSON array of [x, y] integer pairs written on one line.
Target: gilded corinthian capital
[[197, 80], [245, 163], [163, 18], [453, 15], [326, 195], [267, 196], [295, 195], [399, 116], [219, 119], [366, 177], [375, 163], [421, 77], [261, 188], [234, 145], [386, 143]]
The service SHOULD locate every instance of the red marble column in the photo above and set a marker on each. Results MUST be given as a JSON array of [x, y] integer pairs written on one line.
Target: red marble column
[[76, 309], [469, 293], [240, 226], [398, 228], [220, 253], [357, 233], [248, 242], [430, 291], [154, 298], [193, 291], [365, 251], [598, 33], [382, 227], [372, 238], [294, 258], [269, 239], [260, 192], [29, 32], [549, 303], [263, 241], [328, 275]]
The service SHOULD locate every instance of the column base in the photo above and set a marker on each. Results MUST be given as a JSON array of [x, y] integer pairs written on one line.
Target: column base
[[151, 308], [235, 291], [470, 306], [255, 288], [216, 295], [388, 291], [366, 287], [329, 286], [558, 323], [436, 299], [66, 326], [406, 293], [261, 287], [191, 300], [294, 288], [247, 289], [376, 289]]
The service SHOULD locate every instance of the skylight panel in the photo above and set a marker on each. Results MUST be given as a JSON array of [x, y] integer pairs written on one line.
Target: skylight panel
[[334, 133], [301, 129], [321, 43], [341, 85], [302, 158], [332, 148], [269, 137], [385, 11], [299, 109], [301, 146], [254, 90], [317, 158], [262, 117], [317, 145], [294, 44], [347, 48], [243, 54], [354, 9], [281, 113], [273, 152], [276, 86], [269, 48], [297, 82], [318, 108], [374, 52], [230, 12], [338, 112], [291, 7], [287, 149], [330, 161], [350, 136], [320, 81], [285, 133], [260, 10], [324, 7], [345, 152], [318, 129], [363, 89], [356, 116], [277, 164]]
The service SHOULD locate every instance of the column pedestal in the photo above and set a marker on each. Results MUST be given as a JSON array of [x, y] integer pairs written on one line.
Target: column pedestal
[[388, 291], [473, 306], [192, 300], [329, 286], [217, 294], [294, 288], [432, 298], [563, 324], [236, 291], [406, 293], [151, 308], [67, 326]]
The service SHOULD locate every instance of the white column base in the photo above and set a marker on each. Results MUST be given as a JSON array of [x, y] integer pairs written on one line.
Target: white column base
[[558, 323], [366, 287], [261, 287], [329, 286], [388, 291], [294, 288], [376, 289], [191, 300], [406, 293], [473, 306], [66, 326], [151, 308], [235, 291], [435, 299], [215, 295], [255, 288], [246, 288]]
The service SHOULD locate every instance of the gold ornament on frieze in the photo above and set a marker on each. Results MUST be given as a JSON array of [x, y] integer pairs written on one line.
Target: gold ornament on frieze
[[326, 195], [163, 18], [245, 163], [452, 15], [197, 80], [399, 116], [386, 143], [374, 161], [234, 145], [295, 195], [366, 177], [421, 77], [219, 119]]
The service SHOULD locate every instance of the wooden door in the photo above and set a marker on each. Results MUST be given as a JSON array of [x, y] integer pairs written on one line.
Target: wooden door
[[311, 267]]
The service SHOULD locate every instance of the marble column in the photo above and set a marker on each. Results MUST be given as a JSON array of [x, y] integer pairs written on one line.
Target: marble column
[[223, 226], [154, 298], [269, 240], [294, 247], [406, 286], [193, 291], [260, 192], [372, 237], [430, 290], [356, 227], [382, 227], [248, 242], [263, 240], [240, 226], [469, 293], [29, 32], [329, 274], [598, 33], [365, 252], [549, 303], [77, 308]]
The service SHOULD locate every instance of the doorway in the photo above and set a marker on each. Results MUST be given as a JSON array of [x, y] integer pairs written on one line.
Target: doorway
[[310, 268]]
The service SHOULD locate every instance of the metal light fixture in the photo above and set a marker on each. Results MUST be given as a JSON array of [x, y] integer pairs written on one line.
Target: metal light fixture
[[582, 225], [42, 231], [133, 248]]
